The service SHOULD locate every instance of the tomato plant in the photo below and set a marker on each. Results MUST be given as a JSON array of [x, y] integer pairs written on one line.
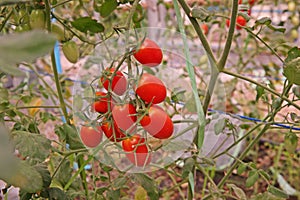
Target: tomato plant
[[136, 150], [114, 80], [151, 89], [90, 136], [157, 123], [149, 53]]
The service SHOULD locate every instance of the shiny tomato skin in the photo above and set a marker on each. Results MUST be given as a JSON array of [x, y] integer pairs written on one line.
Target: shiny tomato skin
[[101, 103], [91, 137], [130, 143], [125, 117], [151, 89], [251, 2], [118, 82], [114, 134], [149, 53], [157, 123]]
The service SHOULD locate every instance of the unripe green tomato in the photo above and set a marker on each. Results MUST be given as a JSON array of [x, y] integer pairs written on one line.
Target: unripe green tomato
[[58, 30], [294, 34], [295, 20], [22, 28], [37, 19], [71, 51], [291, 6]]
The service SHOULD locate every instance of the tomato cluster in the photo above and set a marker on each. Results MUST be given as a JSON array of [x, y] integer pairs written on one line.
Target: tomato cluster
[[133, 118]]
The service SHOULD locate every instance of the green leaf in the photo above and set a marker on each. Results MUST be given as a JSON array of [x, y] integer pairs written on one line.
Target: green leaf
[[69, 133], [278, 29], [140, 194], [45, 174], [191, 184], [219, 126], [119, 182], [238, 191], [23, 47], [259, 92], [108, 7], [188, 167], [296, 91], [34, 146], [64, 173], [292, 71], [85, 24], [200, 13], [291, 142], [252, 178], [25, 177], [277, 192], [264, 174], [242, 167], [148, 184], [263, 21], [293, 53], [113, 194], [57, 194]]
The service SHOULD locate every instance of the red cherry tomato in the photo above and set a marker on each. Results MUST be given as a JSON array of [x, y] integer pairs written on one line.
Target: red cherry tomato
[[132, 142], [240, 1], [125, 117], [157, 123], [251, 2], [112, 132], [151, 89], [101, 103], [91, 137], [149, 53], [240, 21], [204, 27], [118, 83], [136, 150]]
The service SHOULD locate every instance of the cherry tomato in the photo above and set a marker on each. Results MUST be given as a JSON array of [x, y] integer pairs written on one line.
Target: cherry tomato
[[125, 117], [91, 137], [101, 103], [240, 2], [136, 150], [204, 27], [111, 131], [151, 89], [251, 2], [240, 21], [118, 83], [149, 53], [157, 123], [132, 142]]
